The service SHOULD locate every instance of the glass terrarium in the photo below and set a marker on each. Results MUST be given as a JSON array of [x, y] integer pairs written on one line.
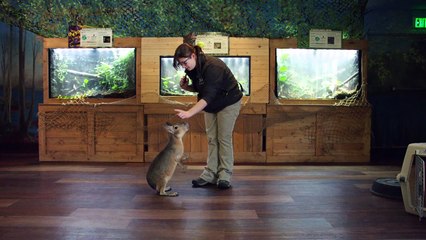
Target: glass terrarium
[[92, 72], [317, 73], [170, 77]]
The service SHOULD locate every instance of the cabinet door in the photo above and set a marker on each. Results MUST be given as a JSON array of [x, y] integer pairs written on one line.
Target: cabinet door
[[63, 133], [291, 136], [318, 134], [91, 133], [344, 133], [117, 134]]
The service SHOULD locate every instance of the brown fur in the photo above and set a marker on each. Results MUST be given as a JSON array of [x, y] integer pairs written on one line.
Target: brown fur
[[164, 164]]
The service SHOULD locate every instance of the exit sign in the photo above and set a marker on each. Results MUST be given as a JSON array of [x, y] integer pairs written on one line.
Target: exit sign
[[420, 22]]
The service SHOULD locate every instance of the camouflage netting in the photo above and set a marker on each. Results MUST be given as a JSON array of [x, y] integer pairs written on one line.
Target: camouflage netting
[[73, 115], [358, 99], [148, 18]]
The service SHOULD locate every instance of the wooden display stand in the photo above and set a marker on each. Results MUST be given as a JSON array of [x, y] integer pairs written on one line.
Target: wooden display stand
[[63, 43], [141, 119], [268, 130], [104, 130], [316, 130]]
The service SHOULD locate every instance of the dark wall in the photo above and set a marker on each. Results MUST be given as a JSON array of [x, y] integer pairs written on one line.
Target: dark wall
[[396, 76], [20, 91]]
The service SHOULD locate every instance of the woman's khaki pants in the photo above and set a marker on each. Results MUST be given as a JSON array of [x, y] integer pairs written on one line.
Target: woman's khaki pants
[[219, 129]]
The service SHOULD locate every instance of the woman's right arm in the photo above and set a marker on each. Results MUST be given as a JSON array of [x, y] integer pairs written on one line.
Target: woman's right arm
[[184, 84]]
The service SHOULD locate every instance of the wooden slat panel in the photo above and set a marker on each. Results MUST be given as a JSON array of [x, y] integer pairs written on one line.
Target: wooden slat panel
[[247, 140], [66, 156], [108, 133], [152, 49], [238, 135], [106, 136], [117, 134], [112, 148], [66, 140], [41, 133], [117, 140], [250, 157], [258, 49], [282, 147], [250, 127], [140, 137], [77, 147], [299, 133], [195, 139], [64, 133]]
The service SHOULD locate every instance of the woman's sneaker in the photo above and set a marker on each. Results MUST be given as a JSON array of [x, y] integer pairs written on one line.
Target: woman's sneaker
[[199, 182], [223, 184]]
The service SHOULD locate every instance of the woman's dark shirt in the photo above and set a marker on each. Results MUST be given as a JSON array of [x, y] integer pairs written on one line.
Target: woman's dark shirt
[[215, 83]]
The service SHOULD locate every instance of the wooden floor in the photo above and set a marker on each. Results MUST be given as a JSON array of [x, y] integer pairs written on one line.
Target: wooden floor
[[113, 201]]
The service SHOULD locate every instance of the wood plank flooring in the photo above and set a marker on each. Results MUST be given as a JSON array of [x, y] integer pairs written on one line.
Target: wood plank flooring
[[113, 201]]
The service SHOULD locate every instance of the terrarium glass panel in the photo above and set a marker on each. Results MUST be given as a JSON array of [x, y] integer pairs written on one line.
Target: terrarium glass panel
[[317, 73], [170, 77], [92, 72]]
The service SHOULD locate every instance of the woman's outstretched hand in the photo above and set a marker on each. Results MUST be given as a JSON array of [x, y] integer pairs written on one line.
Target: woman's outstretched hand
[[183, 114]]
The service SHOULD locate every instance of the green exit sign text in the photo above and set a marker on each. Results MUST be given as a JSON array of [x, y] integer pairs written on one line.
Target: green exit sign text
[[420, 22]]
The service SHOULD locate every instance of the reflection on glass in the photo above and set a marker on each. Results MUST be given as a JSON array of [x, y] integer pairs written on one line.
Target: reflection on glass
[[169, 84], [92, 72], [317, 73]]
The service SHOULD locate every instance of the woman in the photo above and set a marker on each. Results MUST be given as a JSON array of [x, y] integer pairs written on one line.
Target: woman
[[219, 96]]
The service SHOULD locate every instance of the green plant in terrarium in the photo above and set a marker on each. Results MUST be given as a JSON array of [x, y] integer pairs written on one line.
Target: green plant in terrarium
[[114, 76], [288, 85], [170, 85], [85, 84], [58, 82]]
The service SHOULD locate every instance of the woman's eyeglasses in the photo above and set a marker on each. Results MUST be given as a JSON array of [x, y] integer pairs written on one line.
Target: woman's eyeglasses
[[183, 63]]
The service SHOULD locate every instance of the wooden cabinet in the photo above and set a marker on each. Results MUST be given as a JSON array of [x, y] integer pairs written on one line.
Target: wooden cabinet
[[309, 133], [268, 130], [89, 132], [247, 137]]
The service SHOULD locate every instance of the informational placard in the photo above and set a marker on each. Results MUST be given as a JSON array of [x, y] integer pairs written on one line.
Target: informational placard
[[96, 37], [213, 43], [325, 38]]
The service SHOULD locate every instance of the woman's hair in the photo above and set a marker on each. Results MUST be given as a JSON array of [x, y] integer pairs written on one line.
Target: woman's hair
[[184, 51]]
